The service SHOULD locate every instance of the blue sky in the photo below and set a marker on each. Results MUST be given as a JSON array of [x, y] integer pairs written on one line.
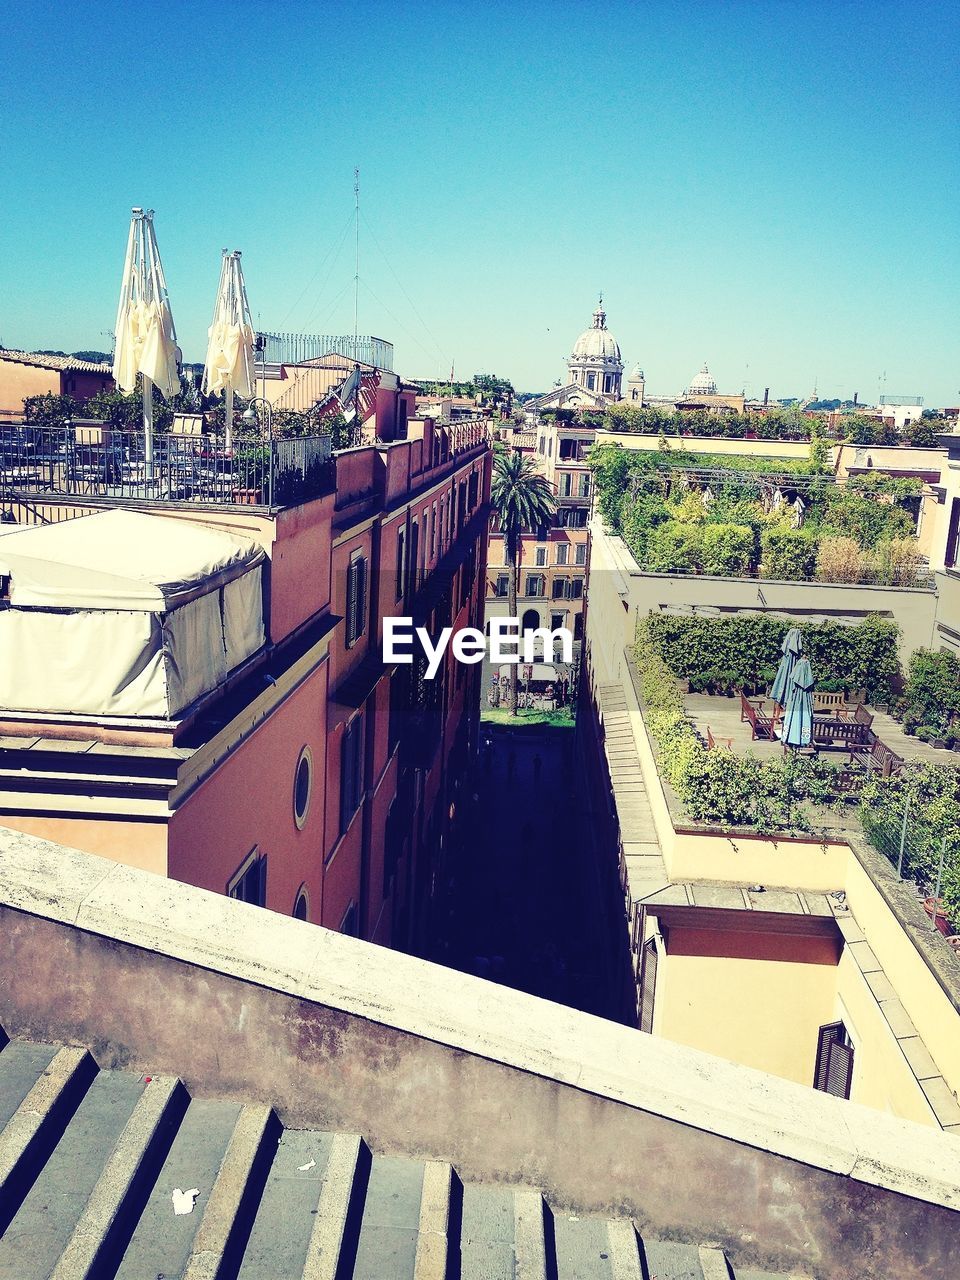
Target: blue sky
[[773, 188]]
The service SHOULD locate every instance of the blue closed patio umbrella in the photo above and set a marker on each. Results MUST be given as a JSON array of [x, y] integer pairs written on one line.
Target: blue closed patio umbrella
[[791, 649], [798, 708]]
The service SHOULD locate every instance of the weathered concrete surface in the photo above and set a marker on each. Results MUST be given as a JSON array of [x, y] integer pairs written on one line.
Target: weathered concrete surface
[[338, 1034]]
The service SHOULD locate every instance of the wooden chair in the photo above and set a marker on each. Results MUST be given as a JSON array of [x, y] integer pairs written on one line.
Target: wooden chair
[[717, 742]]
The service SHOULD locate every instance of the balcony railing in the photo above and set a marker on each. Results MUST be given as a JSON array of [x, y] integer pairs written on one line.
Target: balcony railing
[[467, 434], [99, 461]]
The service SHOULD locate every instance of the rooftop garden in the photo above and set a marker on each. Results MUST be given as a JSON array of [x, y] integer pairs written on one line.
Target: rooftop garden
[[776, 424], [913, 818], [739, 517]]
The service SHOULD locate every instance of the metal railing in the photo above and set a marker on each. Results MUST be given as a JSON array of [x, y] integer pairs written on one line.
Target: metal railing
[[294, 348], [921, 850], [99, 461]]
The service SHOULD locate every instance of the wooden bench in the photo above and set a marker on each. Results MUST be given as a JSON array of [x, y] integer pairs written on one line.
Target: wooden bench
[[845, 735], [761, 724], [877, 758], [823, 701]]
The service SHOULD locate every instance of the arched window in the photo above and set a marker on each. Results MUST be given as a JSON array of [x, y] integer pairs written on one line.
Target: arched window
[[531, 620], [301, 909]]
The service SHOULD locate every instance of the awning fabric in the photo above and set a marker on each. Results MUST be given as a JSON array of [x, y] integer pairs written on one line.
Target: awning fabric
[[125, 614], [120, 560]]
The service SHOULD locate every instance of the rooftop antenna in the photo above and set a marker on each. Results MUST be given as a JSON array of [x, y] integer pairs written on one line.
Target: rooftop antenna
[[356, 278]]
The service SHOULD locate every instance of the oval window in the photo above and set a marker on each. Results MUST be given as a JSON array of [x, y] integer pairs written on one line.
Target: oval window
[[302, 785]]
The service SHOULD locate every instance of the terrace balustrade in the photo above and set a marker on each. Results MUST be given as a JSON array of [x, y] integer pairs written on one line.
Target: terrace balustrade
[[97, 460]]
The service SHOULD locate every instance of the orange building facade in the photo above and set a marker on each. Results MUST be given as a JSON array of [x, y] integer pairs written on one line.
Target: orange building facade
[[318, 781]]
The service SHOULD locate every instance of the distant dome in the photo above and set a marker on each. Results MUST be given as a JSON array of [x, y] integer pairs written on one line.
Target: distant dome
[[637, 374], [703, 384], [597, 343]]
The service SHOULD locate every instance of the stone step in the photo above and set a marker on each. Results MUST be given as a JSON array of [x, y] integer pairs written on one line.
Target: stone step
[[50, 1211], [162, 1240], [92, 1159]]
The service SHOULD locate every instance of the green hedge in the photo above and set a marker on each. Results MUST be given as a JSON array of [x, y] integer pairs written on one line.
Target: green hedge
[[742, 651], [719, 786]]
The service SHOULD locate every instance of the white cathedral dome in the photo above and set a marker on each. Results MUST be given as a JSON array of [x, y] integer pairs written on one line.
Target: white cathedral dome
[[703, 384], [597, 343]]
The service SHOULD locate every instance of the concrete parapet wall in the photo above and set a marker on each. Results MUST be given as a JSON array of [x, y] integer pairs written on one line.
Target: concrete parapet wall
[[338, 1033]]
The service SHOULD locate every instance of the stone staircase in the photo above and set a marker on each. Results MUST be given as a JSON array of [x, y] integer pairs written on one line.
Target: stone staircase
[[643, 870], [90, 1160]]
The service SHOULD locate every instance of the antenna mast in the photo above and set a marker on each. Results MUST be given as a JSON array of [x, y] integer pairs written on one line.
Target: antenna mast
[[356, 278]]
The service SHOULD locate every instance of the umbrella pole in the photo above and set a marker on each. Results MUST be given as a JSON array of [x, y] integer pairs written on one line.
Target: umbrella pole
[[228, 414], [148, 431]]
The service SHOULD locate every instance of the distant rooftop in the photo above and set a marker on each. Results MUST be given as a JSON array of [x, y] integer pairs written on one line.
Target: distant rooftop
[[55, 362]]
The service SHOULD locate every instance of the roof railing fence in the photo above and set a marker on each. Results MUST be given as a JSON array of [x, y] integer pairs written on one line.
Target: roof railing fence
[[101, 461], [920, 849]]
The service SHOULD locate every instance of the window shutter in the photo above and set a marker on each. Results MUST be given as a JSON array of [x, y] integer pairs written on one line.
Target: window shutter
[[834, 1067], [361, 597], [351, 602], [648, 984]]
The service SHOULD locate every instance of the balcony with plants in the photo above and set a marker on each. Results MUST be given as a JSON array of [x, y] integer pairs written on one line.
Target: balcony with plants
[[751, 518]]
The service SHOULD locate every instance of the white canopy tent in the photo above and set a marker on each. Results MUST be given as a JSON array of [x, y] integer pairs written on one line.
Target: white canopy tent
[[125, 614], [229, 365], [146, 337]]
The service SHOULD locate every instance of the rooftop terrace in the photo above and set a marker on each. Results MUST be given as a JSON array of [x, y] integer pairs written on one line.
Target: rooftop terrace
[[93, 460]]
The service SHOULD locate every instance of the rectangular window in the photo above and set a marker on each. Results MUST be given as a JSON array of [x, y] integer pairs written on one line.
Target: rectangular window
[[535, 584], [584, 489], [474, 489], [581, 553], [351, 771], [563, 550], [433, 532], [502, 585], [556, 620], [249, 881], [414, 552], [833, 1072], [541, 557], [576, 589], [559, 588], [953, 535], [401, 563], [566, 483], [356, 599]]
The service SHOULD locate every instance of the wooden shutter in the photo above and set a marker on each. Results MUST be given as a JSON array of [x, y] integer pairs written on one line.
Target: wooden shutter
[[351, 601], [834, 1067], [361, 603], [648, 984]]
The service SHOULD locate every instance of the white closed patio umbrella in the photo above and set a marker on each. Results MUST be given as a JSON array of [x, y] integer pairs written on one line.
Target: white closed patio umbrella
[[229, 366], [146, 337]]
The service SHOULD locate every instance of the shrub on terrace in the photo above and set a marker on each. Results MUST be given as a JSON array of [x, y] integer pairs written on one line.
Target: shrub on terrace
[[743, 650], [788, 554], [931, 696]]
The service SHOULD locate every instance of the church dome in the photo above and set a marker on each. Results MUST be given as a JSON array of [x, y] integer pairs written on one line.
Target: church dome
[[703, 384], [597, 343]]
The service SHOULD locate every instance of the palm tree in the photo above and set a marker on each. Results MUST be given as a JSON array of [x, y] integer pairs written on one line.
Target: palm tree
[[522, 500]]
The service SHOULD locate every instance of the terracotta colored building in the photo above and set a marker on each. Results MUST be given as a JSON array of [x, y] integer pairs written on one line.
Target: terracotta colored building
[[307, 776], [23, 374]]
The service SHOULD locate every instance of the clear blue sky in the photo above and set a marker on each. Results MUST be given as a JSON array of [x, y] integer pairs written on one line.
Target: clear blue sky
[[771, 187]]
